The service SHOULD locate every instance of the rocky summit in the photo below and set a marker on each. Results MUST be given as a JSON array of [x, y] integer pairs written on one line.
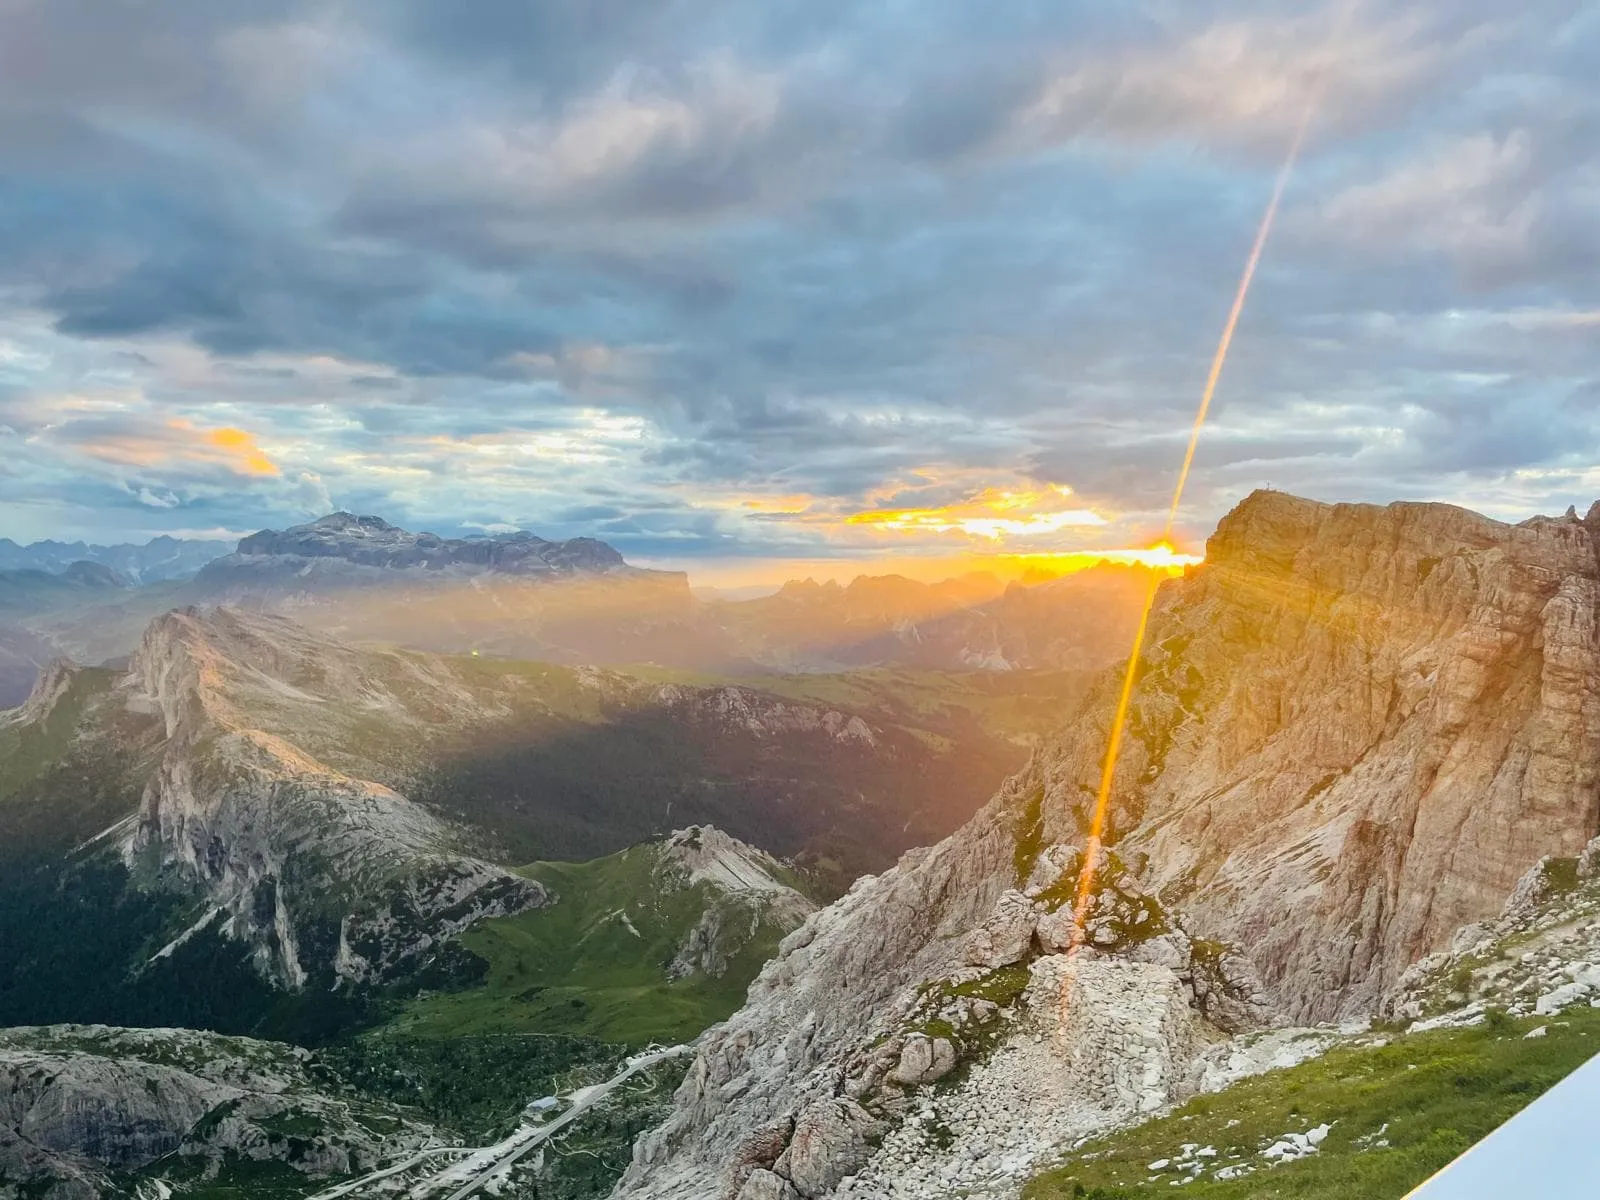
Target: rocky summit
[[374, 542], [1353, 731]]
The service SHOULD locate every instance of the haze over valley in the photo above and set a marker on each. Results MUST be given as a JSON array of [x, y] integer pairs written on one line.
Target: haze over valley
[[683, 600]]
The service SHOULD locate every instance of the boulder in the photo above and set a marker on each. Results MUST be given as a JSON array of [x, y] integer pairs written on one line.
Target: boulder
[[1054, 931], [924, 1060], [1050, 868], [762, 1184], [1006, 936], [1167, 950], [832, 1139]]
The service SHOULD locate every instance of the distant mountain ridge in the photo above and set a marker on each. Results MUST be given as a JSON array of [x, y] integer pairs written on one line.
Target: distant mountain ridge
[[371, 541], [969, 622], [161, 558], [517, 595]]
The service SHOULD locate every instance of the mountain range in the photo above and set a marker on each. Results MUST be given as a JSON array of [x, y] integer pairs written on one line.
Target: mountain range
[[161, 558], [517, 595], [1343, 916], [338, 814]]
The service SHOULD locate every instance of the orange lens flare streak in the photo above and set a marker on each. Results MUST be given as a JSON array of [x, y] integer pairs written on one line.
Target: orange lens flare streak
[[1108, 772], [1226, 341], [1084, 894]]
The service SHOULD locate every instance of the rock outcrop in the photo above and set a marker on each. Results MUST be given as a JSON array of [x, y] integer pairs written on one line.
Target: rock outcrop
[[80, 1102], [746, 892], [1354, 729]]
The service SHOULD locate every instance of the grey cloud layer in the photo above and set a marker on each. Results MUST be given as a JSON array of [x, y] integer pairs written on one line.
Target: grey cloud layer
[[671, 252]]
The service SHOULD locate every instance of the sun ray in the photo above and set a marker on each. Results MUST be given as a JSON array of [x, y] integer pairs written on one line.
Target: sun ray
[[1083, 896]]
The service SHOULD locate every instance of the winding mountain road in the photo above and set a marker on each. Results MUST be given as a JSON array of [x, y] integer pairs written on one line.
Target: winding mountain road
[[478, 1165]]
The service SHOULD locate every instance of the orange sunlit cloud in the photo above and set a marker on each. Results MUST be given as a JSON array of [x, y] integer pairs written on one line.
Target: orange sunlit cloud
[[179, 441], [240, 448], [1163, 556], [994, 513], [931, 523]]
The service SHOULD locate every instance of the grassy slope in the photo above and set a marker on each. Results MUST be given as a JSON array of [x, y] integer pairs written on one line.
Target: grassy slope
[[1437, 1092], [575, 968]]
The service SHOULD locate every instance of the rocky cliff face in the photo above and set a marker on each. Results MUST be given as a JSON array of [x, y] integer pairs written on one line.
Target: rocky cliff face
[[282, 843], [1354, 729], [78, 1103]]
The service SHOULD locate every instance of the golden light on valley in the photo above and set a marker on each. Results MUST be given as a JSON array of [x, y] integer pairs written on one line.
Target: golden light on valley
[[1163, 556]]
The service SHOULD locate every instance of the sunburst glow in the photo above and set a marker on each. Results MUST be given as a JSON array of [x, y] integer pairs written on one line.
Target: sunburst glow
[[1163, 556], [993, 513]]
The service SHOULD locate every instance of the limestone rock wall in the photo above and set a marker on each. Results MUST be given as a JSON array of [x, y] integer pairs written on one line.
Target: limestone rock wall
[[278, 838], [1355, 729]]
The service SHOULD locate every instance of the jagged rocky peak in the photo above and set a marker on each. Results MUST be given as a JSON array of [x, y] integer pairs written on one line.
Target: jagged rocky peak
[[1354, 729], [705, 854], [373, 542], [324, 873]]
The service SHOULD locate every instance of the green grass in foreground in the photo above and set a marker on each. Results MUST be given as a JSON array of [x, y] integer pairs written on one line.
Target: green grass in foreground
[[1437, 1092], [592, 964]]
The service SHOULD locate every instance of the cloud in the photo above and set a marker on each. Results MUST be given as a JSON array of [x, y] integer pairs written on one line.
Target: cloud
[[657, 268], [311, 493], [177, 442], [1240, 81], [152, 499], [1468, 199]]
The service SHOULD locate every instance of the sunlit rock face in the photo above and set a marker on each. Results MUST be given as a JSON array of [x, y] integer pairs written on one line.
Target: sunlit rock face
[[1356, 728], [279, 841], [1353, 730]]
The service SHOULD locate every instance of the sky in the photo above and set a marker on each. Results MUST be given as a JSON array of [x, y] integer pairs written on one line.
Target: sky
[[728, 283]]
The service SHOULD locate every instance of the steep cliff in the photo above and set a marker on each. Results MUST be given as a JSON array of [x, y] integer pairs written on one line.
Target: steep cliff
[[1353, 730], [282, 843]]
